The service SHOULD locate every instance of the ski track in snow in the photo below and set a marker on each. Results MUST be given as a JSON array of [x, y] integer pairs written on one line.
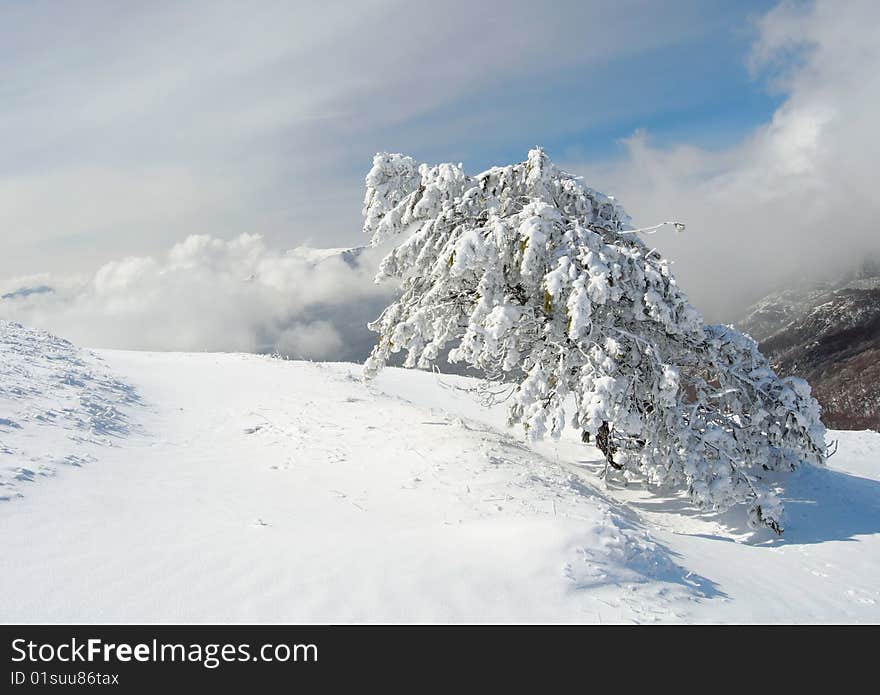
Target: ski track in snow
[[252, 489]]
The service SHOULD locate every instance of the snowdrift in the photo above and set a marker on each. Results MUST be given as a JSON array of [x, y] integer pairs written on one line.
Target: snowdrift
[[59, 406]]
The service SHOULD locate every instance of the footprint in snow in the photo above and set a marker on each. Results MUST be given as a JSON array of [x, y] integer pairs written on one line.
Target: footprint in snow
[[412, 483], [863, 599]]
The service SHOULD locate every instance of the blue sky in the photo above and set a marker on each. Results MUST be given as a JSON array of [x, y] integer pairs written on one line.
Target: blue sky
[[695, 88]]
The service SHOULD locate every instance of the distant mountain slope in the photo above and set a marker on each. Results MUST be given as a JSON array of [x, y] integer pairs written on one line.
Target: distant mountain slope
[[27, 292], [829, 335]]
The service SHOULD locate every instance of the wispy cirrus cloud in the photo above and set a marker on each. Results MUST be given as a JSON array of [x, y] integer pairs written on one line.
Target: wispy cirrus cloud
[[128, 127]]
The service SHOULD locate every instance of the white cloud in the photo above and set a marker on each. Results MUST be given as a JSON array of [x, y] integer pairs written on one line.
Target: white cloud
[[316, 340], [206, 293], [795, 200]]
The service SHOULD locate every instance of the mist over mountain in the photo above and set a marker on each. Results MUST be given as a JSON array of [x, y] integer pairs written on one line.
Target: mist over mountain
[[829, 334]]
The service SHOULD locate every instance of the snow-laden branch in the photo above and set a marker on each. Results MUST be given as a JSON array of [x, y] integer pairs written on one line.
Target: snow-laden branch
[[679, 227]]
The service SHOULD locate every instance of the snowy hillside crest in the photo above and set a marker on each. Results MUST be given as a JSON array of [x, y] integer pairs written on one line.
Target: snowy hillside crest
[[540, 282], [59, 407]]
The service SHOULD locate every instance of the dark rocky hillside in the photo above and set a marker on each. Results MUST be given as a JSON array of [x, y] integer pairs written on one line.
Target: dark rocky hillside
[[829, 335]]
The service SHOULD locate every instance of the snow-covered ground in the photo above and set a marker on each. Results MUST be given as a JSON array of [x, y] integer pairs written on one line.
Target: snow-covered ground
[[59, 406], [229, 487]]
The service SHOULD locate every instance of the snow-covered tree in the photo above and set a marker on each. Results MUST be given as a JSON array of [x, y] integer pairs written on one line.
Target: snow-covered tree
[[539, 281]]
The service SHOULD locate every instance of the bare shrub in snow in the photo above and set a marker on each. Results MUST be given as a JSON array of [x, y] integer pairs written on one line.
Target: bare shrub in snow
[[539, 281]]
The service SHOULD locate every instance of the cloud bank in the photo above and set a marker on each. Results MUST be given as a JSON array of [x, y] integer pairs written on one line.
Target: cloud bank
[[206, 293]]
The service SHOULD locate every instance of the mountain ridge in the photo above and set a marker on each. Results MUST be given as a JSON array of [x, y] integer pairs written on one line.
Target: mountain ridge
[[828, 334]]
